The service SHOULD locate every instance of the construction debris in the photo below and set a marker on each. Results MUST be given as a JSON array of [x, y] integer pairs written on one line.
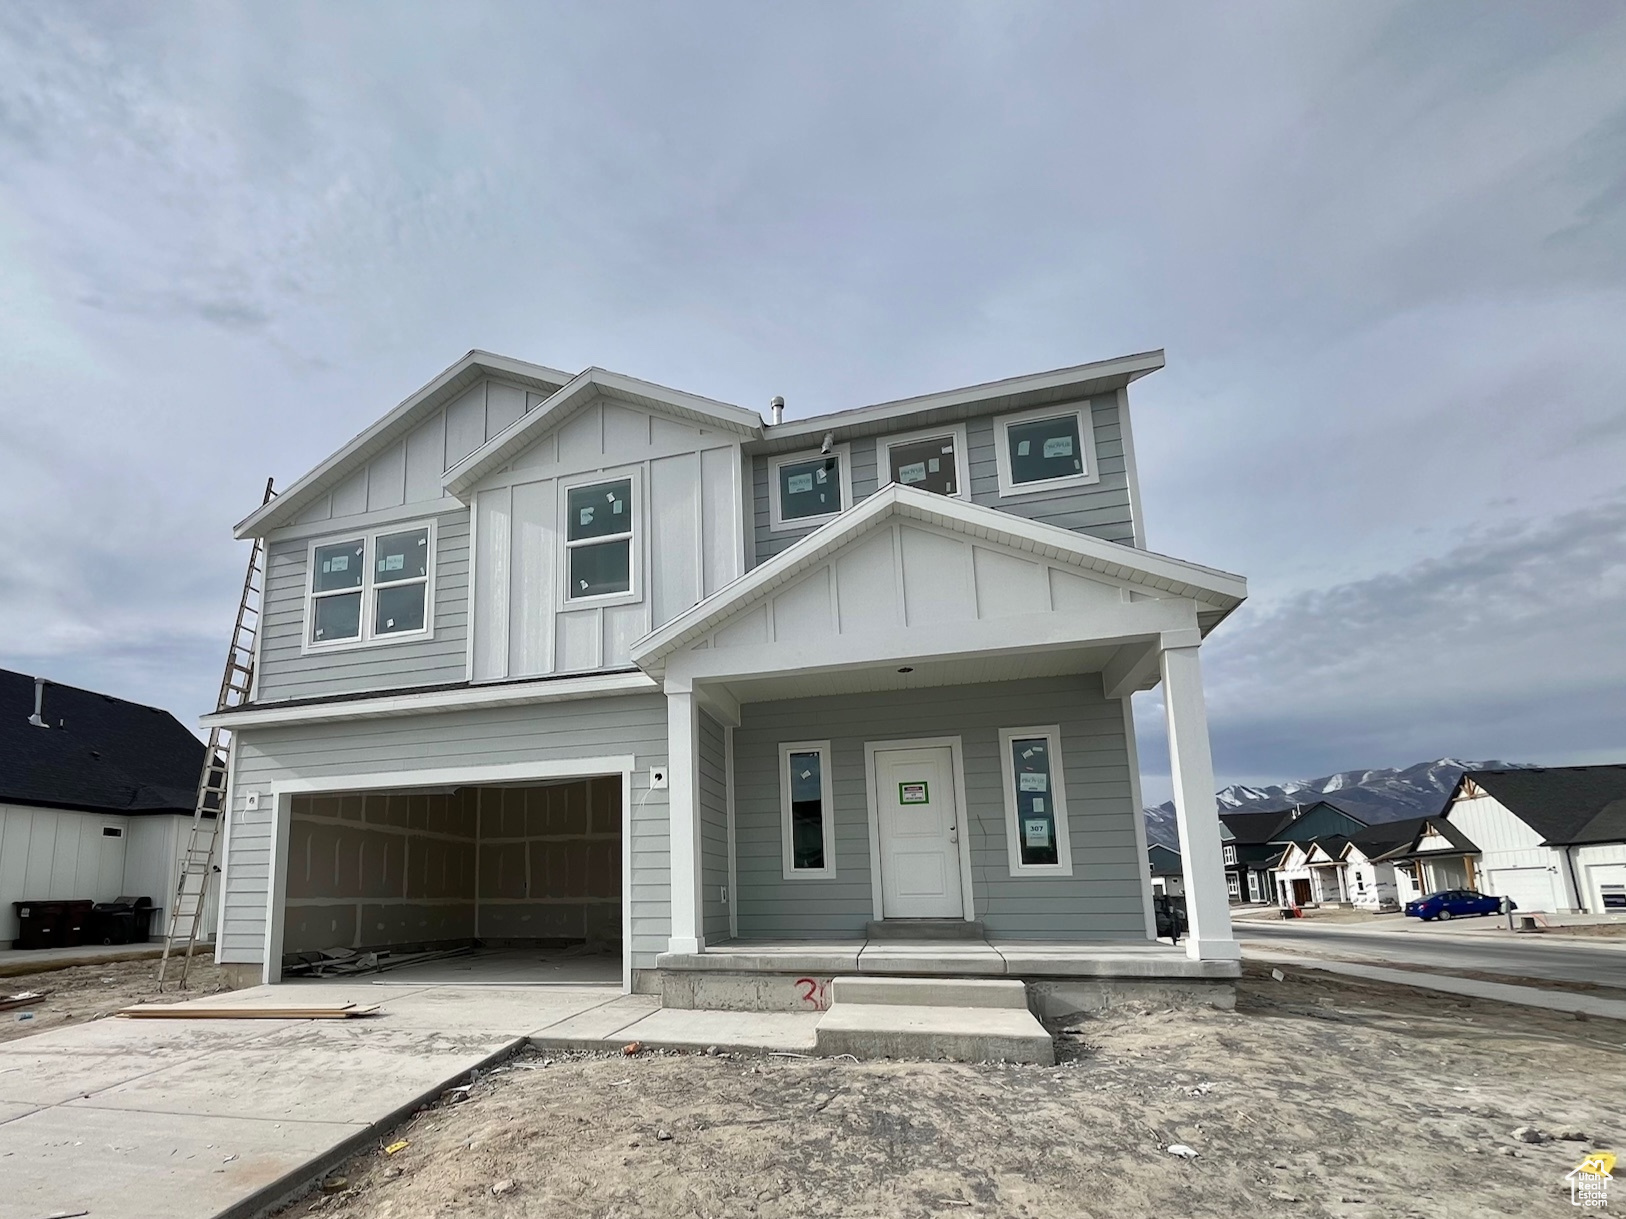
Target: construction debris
[[343, 1011], [347, 962], [26, 998]]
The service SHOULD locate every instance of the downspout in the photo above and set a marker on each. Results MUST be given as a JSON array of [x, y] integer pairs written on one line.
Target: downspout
[[1575, 884]]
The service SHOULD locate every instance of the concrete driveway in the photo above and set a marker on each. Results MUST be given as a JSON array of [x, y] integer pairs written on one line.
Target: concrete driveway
[[142, 1118]]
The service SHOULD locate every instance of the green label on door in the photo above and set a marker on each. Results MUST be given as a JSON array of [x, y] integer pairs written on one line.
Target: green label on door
[[912, 793]]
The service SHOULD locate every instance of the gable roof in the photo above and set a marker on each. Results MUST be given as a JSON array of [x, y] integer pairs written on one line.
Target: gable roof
[[1254, 828], [564, 402], [1221, 591], [414, 409], [1164, 861], [1564, 804], [99, 753]]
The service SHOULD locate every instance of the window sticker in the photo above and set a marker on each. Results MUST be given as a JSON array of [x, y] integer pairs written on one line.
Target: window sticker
[[1058, 446], [933, 465], [1036, 831], [393, 562], [339, 562], [948, 448], [587, 516], [616, 506], [914, 472], [798, 483], [1033, 783], [820, 475], [913, 793], [1023, 447]]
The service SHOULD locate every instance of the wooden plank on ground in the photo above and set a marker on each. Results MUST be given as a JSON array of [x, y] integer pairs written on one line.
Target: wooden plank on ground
[[157, 1011]]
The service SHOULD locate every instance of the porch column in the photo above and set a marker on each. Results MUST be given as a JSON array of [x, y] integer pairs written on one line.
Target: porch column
[[1191, 766], [683, 824]]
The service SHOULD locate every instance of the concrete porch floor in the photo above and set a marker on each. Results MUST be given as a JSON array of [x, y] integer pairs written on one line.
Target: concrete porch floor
[[952, 958]]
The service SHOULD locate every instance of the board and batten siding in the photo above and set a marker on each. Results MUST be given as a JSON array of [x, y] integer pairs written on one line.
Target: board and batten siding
[[688, 540], [550, 732], [712, 769], [1102, 509], [286, 671], [1102, 900]]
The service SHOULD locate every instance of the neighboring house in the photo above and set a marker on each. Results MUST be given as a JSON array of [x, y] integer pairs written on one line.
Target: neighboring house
[[1168, 876], [1551, 838], [96, 797], [1379, 867], [564, 658], [1255, 842]]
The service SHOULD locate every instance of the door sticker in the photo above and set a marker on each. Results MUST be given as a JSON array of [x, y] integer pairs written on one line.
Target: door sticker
[[912, 793]]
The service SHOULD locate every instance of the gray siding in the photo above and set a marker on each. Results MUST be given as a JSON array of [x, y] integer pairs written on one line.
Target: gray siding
[[713, 772], [1101, 509], [629, 724], [1100, 901], [287, 673]]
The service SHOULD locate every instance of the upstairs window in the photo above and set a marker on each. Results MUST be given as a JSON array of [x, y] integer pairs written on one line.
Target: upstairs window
[[808, 489], [928, 461], [370, 589], [1044, 450], [598, 540]]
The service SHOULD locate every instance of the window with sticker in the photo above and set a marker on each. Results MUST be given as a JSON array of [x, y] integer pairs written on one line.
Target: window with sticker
[[370, 589], [1036, 829], [928, 465], [598, 539], [1044, 450]]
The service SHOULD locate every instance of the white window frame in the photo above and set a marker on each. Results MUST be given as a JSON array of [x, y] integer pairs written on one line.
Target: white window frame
[[1233, 886], [777, 523], [962, 463], [787, 859], [1008, 486], [635, 557], [1229, 853], [1254, 889], [1058, 785], [369, 544]]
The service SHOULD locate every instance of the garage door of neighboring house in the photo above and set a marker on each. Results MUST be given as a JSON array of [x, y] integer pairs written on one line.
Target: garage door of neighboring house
[[1608, 887], [1530, 888]]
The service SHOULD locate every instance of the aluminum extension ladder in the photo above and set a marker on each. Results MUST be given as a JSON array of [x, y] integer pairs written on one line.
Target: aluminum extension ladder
[[197, 869]]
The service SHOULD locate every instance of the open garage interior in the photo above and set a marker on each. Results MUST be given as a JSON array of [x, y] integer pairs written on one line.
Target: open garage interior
[[500, 869]]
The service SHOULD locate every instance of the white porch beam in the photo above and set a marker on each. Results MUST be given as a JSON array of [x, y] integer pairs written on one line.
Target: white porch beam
[[1130, 668], [683, 825], [719, 704], [1191, 766]]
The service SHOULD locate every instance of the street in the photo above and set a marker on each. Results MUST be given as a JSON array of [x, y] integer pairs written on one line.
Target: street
[[1527, 958]]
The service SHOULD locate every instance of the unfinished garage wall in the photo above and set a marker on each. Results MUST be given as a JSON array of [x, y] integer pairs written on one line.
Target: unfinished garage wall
[[550, 862], [378, 869]]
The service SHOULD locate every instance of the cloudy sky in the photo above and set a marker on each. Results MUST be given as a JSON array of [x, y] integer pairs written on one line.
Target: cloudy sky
[[1384, 246]]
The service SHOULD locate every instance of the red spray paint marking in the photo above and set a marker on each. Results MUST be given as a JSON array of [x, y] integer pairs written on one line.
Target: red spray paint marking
[[813, 993]]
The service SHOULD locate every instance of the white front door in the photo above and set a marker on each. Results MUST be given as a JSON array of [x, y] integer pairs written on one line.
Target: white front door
[[919, 832]]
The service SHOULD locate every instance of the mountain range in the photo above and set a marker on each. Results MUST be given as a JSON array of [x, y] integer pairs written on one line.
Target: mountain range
[[1372, 795]]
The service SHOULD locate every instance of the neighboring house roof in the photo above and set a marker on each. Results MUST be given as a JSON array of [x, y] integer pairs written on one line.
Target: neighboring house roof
[[1254, 828], [98, 754], [594, 383], [1165, 861], [416, 408], [1331, 847], [1566, 805], [1221, 592]]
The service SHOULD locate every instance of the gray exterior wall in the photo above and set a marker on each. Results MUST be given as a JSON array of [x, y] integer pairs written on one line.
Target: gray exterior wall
[[713, 773], [287, 673], [1101, 509], [629, 724], [1100, 901]]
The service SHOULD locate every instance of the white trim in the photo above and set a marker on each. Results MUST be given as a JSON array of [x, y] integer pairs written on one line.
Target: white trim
[[1141, 844], [368, 589], [962, 461], [1051, 734], [638, 528], [843, 453], [507, 694], [1126, 435], [367, 520], [1083, 414], [968, 901], [733, 868], [282, 792], [826, 806], [228, 806]]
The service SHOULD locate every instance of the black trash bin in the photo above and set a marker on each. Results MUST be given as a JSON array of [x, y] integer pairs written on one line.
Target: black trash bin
[[144, 912], [39, 924], [76, 923], [125, 921]]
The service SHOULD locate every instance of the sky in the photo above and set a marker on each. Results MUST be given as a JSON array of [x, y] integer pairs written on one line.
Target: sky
[[1383, 245]]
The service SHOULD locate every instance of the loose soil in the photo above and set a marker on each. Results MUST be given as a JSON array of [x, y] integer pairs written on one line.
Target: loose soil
[[1318, 1096], [92, 992]]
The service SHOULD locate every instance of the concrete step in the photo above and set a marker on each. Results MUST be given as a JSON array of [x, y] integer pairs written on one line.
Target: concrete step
[[962, 1034], [1005, 993], [926, 929]]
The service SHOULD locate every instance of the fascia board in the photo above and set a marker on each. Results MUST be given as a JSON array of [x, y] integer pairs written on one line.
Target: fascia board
[[855, 422], [376, 437]]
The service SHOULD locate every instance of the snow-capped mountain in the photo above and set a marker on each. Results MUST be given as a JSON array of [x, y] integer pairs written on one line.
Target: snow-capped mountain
[[1371, 795]]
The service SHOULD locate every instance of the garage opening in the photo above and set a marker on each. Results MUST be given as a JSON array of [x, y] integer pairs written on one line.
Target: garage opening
[[524, 874]]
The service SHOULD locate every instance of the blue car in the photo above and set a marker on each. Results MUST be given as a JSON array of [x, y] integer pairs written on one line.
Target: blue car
[[1449, 903]]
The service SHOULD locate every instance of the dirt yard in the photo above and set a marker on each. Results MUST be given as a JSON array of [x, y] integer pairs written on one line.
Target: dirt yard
[[90, 992], [1317, 1097]]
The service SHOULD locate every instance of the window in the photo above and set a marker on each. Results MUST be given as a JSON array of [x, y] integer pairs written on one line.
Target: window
[[370, 589], [928, 461], [598, 540], [1230, 854], [808, 489], [1253, 886], [1614, 896], [1035, 803], [1045, 449], [807, 821], [1233, 886]]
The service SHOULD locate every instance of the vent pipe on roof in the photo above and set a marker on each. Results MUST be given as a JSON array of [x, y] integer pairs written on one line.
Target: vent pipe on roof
[[778, 408], [37, 719]]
